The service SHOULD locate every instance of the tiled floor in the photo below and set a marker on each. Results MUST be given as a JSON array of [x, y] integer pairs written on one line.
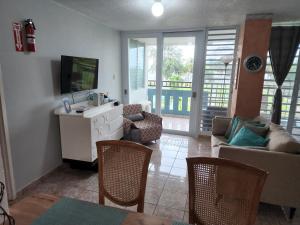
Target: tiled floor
[[175, 122], [167, 184]]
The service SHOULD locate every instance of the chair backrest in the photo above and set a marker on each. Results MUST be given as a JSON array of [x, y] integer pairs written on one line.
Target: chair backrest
[[222, 191], [123, 169], [132, 109]]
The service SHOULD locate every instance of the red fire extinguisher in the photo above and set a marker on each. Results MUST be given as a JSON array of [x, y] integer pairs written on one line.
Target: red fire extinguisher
[[30, 35]]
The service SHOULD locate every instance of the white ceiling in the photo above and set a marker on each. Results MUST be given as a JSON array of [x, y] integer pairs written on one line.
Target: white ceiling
[[179, 14]]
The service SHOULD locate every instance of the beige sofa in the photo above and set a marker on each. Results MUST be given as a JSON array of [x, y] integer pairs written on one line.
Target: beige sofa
[[282, 186]]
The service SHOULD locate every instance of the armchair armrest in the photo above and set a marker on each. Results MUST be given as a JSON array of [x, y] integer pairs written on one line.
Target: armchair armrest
[[154, 118], [220, 125], [127, 124]]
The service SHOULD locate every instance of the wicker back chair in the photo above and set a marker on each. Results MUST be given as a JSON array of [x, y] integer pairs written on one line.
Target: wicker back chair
[[123, 169], [223, 192]]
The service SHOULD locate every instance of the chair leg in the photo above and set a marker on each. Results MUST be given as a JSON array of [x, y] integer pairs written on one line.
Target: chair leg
[[292, 213], [140, 207]]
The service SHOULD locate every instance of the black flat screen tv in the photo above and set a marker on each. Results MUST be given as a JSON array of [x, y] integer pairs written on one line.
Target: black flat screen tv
[[78, 74]]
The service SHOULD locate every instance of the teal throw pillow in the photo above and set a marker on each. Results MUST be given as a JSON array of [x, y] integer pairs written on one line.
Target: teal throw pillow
[[260, 129], [246, 137], [256, 127], [236, 120], [228, 131]]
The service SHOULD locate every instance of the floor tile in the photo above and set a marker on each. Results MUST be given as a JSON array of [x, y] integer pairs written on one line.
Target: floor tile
[[169, 147], [165, 161], [90, 196], [165, 170], [173, 184], [180, 163], [174, 200], [178, 172], [46, 187], [157, 182], [164, 153], [173, 214], [186, 217], [152, 195], [149, 208]]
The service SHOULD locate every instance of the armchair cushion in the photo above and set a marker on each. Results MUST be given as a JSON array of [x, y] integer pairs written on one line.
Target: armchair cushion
[[220, 125], [132, 109], [152, 117], [148, 130], [135, 117]]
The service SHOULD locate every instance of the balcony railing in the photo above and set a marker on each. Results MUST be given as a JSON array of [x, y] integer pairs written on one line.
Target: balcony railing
[[176, 100], [176, 97]]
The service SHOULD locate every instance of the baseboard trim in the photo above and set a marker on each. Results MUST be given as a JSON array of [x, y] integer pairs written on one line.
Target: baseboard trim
[[34, 183]]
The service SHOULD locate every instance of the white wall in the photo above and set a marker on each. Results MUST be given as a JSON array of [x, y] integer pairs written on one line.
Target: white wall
[[31, 81], [4, 202]]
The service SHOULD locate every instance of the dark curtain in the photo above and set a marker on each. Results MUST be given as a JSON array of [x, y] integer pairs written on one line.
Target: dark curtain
[[283, 47]]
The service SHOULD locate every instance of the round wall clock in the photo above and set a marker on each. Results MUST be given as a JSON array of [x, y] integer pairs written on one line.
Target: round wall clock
[[253, 63]]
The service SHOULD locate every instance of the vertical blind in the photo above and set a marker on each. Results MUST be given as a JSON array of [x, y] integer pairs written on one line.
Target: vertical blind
[[136, 64], [217, 84]]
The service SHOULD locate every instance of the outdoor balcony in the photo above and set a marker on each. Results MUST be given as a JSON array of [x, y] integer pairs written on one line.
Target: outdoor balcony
[[176, 104]]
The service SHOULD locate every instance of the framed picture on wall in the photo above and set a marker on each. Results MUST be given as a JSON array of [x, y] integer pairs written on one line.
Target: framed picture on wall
[[67, 105]]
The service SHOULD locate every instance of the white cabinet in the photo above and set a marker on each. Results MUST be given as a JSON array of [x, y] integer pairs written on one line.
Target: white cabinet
[[80, 131]]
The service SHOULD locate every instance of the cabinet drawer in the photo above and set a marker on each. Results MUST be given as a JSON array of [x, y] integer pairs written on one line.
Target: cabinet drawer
[[98, 120], [116, 112], [116, 124], [97, 135], [106, 126], [108, 116], [116, 135]]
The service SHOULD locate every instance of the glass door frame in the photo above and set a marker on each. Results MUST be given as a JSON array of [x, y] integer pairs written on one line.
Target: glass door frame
[[198, 67], [198, 72], [125, 61]]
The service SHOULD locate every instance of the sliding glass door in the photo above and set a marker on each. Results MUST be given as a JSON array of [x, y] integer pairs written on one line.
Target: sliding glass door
[[164, 69], [177, 80], [142, 69]]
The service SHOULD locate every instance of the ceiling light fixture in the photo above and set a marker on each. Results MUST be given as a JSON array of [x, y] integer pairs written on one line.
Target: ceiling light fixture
[[157, 8]]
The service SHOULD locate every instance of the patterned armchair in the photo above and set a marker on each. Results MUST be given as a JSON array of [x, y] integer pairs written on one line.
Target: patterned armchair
[[140, 126]]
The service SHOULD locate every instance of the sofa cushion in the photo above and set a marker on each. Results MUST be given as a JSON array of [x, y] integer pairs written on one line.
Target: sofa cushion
[[282, 141], [274, 127], [135, 117], [246, 137], [218, 140]]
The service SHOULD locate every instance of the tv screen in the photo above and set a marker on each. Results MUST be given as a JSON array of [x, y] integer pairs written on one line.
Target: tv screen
[[78, 74]]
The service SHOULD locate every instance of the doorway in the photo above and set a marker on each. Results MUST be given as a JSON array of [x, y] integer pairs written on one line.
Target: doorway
[[164, 69]]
